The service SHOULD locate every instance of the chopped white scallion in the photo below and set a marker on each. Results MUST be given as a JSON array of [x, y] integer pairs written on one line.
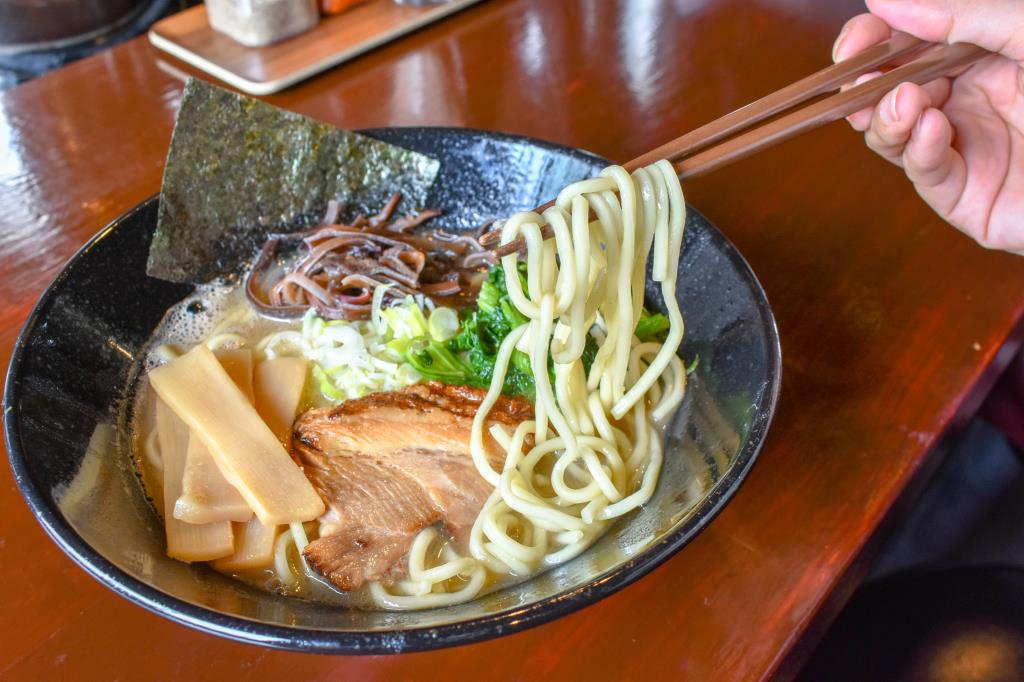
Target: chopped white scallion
[[353, 359]]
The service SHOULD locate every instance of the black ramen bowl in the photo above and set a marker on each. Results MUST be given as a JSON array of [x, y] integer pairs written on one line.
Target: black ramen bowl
[[68, 394]]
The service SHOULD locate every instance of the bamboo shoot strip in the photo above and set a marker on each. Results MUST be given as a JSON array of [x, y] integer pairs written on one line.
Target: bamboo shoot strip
[[237, 362], [278, 387], [206, 496], [254, 547], [185, 541], [247, 452]]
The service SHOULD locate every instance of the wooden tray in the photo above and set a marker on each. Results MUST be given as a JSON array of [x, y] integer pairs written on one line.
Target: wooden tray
[[266, 70]]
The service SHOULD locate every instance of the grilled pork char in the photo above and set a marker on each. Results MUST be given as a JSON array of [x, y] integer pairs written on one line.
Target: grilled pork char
[[389, 465]]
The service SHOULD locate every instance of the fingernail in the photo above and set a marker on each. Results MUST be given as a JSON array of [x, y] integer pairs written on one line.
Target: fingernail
[[839, 41], [890, 110]]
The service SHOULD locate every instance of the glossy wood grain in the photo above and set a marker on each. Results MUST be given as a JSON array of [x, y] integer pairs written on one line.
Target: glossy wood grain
[[891, 322]]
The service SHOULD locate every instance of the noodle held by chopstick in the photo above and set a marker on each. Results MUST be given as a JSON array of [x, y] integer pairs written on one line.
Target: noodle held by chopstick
[[593, 451]]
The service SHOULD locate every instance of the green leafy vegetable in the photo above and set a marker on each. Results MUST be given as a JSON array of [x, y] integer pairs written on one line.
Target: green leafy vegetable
[[589, 353], [651, 327], [434, 360], [469, 357], [693, 365]]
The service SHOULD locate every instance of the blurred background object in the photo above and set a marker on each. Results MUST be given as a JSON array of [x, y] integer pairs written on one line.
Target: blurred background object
[[945, 597], [338, 6], [37, 36], [255, 23], [33, 24], [348, 29]]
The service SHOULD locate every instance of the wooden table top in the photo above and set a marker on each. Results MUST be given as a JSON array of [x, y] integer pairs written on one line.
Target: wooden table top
[[891, 322]]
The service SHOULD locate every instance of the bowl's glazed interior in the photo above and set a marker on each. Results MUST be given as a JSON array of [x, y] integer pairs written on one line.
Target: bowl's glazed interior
[[67, 390]]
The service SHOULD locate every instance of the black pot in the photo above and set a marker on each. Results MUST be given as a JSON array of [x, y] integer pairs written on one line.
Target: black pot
[[28, 25]]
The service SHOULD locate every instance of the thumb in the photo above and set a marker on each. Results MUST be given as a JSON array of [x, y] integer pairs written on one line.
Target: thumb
[[996, 25]]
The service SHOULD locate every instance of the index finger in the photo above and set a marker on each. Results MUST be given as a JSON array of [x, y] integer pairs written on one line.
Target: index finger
[[995, 25], [860, 33]]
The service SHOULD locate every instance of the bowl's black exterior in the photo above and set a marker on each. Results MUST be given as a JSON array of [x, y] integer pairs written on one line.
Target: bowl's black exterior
[[64, 407]]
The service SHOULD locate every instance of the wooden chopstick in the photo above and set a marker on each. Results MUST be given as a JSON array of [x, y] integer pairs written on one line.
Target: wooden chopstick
[[805, 89], [703, 150], [924, 69]]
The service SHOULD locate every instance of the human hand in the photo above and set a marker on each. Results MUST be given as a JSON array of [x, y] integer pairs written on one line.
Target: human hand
[[960, 140]]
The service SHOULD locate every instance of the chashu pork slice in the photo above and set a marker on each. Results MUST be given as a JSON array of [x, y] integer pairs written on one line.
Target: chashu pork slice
[[389, 465]]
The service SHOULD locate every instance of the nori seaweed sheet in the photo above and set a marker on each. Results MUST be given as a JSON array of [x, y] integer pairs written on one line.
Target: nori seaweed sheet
[[239, 169]]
